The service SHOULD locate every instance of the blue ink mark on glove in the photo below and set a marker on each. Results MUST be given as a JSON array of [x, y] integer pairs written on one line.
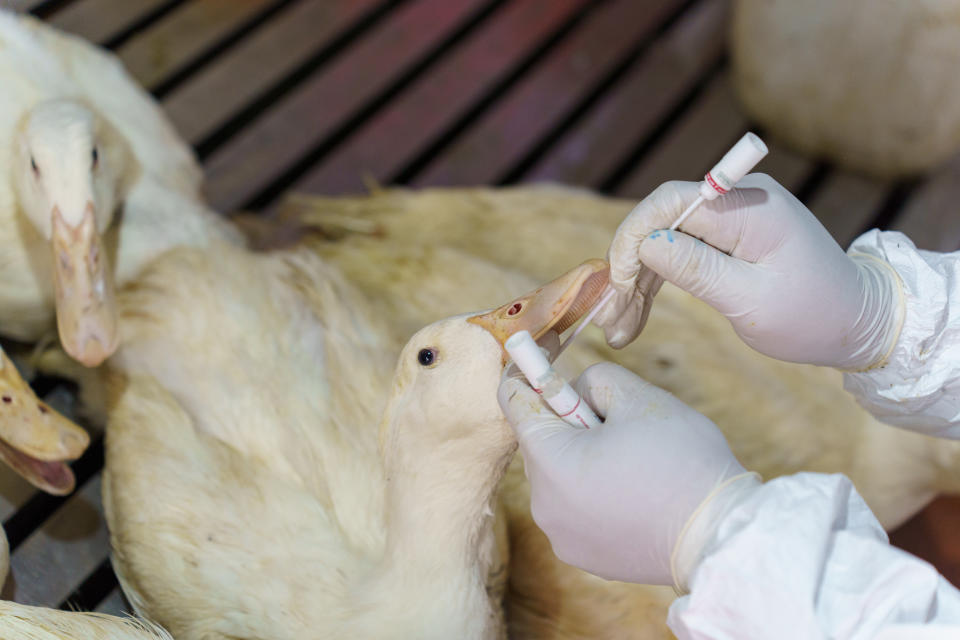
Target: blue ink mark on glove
[[655, 235], [670, 235]]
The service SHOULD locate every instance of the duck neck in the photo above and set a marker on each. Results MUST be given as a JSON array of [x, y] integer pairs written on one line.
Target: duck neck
[[440, 512], [442, 501]]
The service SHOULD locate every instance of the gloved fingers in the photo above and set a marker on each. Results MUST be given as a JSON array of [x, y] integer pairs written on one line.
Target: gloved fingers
[[538, 428], [657, 211], [624, 316], [612, 390], [721, 281]]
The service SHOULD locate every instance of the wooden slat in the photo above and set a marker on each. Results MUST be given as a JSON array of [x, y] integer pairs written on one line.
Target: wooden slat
[[693, 145], [317, 107], [209, 97], [931, 218], [392, 138], [114, 604], [58, 556], [502, 136], [21, 5], [591, 150], [98, 20], [846, 203], [163, 48]]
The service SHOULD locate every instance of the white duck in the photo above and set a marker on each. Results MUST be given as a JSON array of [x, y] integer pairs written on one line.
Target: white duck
[[248, 419], [93, 175], [221, 348]]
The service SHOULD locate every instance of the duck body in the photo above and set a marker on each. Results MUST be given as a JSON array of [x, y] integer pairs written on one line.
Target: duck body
[[245, 401], [77, 131], [257, 421]]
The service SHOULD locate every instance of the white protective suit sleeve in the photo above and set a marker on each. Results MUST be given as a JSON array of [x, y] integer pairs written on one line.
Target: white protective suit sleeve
[[918, 387], [803, 557]]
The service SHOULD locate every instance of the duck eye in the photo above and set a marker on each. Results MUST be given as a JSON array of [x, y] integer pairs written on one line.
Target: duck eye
[[427, 357], [95, 156], [33, 165]]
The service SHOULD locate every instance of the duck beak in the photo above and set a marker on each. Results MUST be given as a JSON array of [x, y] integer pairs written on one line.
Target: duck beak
[[86, 307], [35, 440], [555, 306]]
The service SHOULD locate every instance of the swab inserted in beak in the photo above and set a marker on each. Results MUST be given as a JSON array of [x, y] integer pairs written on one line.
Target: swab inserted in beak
[[555, 306], [86, 306]]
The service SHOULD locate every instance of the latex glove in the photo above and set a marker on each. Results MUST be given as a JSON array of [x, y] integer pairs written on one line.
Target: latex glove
[[614, 500], [762, 259]]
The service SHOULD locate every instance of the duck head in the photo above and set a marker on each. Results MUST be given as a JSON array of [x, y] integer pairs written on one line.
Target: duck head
[[35, 440], [70, 173], [449, 371]]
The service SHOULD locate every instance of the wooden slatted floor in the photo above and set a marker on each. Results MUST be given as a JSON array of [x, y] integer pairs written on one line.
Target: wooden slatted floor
[[326, 95]]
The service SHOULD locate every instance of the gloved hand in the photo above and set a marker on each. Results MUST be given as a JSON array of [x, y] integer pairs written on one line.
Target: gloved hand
[[759, 257], [614, 500]]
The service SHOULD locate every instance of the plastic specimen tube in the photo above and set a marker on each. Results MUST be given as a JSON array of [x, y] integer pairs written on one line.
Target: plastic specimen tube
[[725, 175], [547, 382]]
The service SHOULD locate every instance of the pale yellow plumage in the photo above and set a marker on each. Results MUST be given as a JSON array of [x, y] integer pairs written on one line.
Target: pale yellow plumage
[[244, 408], [77, 130]]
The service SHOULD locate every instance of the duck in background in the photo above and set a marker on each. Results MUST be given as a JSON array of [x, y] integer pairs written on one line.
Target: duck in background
[[96, 184]]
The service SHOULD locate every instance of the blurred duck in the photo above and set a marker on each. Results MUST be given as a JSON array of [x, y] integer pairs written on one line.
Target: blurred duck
[[99, 184]]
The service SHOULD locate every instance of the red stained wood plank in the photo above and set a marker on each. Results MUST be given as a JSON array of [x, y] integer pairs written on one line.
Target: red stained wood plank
[[261, 152], [505, 133], [394, 136], [694, 143], [216, 92], [185, 33], [98, 20], [644, 96]]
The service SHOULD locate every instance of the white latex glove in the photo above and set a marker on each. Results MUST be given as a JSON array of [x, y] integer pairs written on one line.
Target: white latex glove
[[614, 500], [763, 260]]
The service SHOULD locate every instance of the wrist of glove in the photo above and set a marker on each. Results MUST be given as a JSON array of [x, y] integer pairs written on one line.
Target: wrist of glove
[[762, 259], [613, 500], [695, 538]]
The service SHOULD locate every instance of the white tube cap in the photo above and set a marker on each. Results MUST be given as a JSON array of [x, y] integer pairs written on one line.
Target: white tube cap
[[735, 164], [528, 357]]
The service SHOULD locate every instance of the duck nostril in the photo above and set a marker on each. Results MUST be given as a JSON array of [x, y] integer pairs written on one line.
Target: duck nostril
[[515, 309], [7, 399]]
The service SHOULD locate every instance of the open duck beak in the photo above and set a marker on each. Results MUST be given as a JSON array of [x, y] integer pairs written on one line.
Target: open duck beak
[[86, 307], [555, 306], [35, 440]]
